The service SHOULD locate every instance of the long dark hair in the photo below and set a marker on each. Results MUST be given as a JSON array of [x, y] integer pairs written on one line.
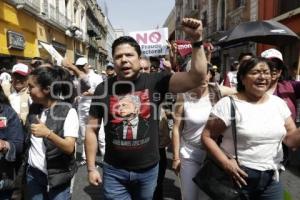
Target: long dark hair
[[58, 79]]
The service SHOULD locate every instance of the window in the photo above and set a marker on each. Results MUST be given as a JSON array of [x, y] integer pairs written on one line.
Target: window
[[239, 3], [66, 7], [82, 17], [45, 7], [204, 18], [75, 12]]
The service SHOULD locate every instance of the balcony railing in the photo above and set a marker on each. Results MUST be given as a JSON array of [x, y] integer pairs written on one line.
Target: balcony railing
[[58, 17], [31, 4]]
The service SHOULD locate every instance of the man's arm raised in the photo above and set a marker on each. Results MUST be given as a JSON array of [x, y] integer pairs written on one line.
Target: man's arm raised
[[91, 150], [184, 81]]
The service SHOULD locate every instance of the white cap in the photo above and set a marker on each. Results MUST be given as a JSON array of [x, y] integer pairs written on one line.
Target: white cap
[[81, 61], [21, 69], [272, 53]]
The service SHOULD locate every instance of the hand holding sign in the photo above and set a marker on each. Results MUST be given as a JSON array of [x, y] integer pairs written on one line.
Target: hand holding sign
[[193, 28]]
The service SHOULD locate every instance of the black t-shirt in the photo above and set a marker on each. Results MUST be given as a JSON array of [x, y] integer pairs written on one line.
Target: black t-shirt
[[131, 105]]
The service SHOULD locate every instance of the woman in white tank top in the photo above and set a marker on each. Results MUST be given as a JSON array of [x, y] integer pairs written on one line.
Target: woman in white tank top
[[191, 114]]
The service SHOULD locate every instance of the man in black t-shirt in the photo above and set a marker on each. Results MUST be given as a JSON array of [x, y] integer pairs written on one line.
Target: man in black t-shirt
[[131, 162]]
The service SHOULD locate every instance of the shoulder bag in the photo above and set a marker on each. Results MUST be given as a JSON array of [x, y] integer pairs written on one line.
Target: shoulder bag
[[213, 180]]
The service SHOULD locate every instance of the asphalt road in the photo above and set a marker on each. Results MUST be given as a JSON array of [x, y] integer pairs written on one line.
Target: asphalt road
[[83, 191]]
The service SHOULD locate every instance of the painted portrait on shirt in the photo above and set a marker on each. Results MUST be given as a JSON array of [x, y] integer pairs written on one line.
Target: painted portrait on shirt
[[130, 119]]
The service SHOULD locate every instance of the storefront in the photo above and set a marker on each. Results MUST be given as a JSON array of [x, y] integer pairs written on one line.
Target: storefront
[[18, 41]]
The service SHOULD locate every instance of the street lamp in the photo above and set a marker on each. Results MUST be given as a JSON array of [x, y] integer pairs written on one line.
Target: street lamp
[[75, 32]]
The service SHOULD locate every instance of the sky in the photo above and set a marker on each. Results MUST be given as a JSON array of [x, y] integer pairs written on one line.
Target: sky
[[138, 15]]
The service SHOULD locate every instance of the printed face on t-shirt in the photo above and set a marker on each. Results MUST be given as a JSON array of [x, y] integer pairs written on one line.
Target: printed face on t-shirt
[[130, 110], [127, 107]]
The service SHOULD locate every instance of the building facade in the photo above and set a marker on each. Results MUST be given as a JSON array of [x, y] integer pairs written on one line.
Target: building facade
[[218, 16], [28, 23], [111, 36], [18, 41], [170, 23], [287, 13], [96, 32]]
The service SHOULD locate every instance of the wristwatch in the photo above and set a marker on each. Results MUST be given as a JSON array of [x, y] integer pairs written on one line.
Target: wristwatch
[[197, 44]]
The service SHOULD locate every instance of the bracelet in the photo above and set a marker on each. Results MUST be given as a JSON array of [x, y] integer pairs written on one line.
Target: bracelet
[[197, 44], [175, 159], [50, 131]]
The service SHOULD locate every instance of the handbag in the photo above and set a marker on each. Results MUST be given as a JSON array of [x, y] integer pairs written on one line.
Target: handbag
[[212, 179]]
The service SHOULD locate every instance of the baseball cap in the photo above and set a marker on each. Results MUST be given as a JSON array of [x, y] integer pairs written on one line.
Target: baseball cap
[[21, 69], [81, 61], [272, 53]]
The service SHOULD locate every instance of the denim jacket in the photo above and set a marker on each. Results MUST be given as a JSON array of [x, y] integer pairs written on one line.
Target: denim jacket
[[13, 133]]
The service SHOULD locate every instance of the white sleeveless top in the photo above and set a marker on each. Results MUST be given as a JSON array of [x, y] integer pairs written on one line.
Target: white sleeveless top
[[196, 113]]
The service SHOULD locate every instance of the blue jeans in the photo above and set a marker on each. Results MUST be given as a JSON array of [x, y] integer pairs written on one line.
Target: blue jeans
[[121, 184], [36, 187], [6, 195], [261, 186]]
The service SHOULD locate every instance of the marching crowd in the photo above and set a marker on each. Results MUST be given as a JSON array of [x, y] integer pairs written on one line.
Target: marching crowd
[[138, 107]]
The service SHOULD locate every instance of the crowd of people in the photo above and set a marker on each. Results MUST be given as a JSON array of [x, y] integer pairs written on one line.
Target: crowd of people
[[137, 108]]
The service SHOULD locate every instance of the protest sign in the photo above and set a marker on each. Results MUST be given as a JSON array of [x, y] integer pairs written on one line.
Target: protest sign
[[184, 47], [152, 42], [52, 51]]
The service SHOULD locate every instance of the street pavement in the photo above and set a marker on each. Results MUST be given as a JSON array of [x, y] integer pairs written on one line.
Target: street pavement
[[291, 177], [83, 191]]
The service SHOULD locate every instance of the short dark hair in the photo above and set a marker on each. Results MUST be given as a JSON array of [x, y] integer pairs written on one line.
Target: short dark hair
[[126, 40], [245, 67], [245, 54]]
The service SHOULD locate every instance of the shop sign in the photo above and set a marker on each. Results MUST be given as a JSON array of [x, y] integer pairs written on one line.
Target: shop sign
[[15, 40]]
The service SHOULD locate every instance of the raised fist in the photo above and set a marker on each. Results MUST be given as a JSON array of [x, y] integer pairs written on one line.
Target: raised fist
[[193, 28]]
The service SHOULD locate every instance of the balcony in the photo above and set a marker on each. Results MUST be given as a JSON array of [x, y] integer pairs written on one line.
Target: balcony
[[32, 6], [57, 18]]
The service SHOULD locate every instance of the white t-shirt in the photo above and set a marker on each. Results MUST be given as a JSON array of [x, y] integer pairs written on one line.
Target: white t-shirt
[[85, 101], [37, 151], [260, 131], [232, 77], [196, 113], [15, 101]]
